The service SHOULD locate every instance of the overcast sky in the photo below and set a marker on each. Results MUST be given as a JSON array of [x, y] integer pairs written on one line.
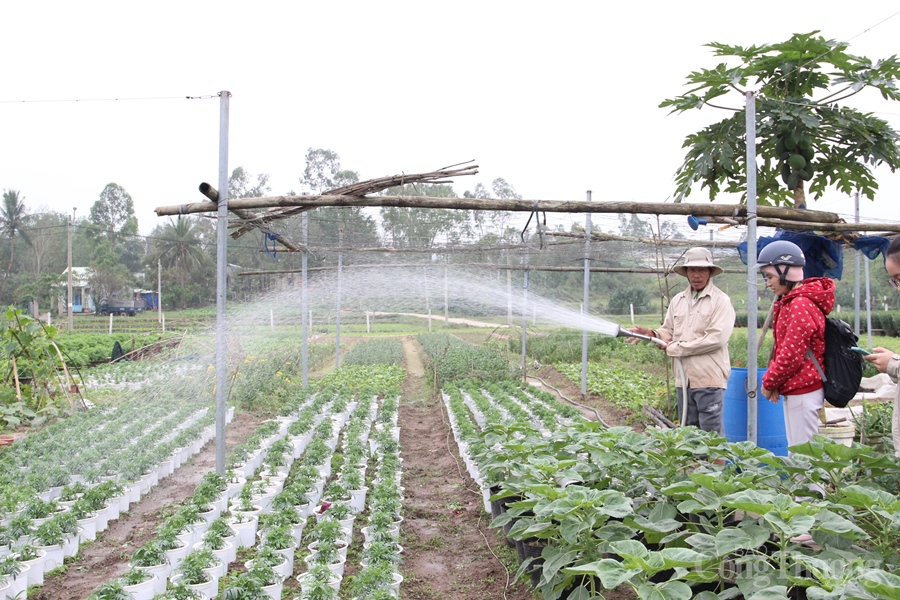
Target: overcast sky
[[556, 98]]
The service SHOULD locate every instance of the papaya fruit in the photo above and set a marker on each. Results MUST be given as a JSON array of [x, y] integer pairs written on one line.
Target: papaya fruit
[[808, 154], [810, 167], [779, 146], [785, 172], [793, 180], [804, 175], [790, 141], [797, 161], [805, 144]]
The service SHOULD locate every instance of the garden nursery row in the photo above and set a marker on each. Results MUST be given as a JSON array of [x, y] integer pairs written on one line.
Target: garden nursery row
[[591, 511]]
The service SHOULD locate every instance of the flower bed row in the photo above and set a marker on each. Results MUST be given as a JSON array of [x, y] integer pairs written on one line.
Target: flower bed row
[[684, 514], [276, 480], [38, 537]]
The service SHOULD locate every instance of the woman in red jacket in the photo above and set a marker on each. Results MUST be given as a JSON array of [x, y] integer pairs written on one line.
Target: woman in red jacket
[[798, 326]]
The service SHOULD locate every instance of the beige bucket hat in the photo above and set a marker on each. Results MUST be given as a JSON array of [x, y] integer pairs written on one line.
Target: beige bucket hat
[[697, 257]]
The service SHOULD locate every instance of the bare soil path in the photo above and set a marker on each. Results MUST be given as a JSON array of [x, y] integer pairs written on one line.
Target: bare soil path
[[107, 557], [449, 551]]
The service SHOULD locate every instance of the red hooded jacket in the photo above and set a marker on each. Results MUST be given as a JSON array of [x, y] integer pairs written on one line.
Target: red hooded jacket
[[798, 324]]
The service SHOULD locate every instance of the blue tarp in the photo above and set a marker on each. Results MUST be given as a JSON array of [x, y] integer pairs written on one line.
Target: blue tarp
[[824, 257]]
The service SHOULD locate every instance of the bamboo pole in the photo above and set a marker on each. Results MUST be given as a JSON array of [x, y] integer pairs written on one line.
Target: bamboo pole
[[483, 266], [556, 206]]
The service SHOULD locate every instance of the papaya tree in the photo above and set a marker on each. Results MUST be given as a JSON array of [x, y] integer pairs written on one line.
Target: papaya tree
[[807, 138]]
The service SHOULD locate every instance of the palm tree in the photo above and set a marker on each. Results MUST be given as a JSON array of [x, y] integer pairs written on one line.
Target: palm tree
[[12, 220], [180, 247]]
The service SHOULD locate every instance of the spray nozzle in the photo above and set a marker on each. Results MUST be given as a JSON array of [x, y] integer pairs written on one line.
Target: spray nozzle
[[625, 333]]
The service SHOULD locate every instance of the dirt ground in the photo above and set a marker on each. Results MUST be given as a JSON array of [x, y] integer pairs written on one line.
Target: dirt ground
[[449, 552], [107, 556], [565, 389]]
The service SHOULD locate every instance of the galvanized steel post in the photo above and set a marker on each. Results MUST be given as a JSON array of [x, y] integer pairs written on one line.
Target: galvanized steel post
[[304, 308], [221, 279], [587, 296], [337, 315], [752, 391]]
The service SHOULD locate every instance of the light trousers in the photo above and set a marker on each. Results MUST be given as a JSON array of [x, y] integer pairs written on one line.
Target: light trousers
[[801, 416]]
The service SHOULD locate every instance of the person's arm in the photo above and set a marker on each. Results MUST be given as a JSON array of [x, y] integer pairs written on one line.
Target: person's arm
[[716, 335], [885, 361], [791, 354], [667, 330]]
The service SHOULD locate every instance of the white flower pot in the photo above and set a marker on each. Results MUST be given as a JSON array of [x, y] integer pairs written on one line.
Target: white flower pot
[[176, 555], [342, 548], [246, 532], [18, 584], [358, 499], [166, 468], [160, 575], [113, 509], [88, 527], [208, 589], [70, 546], [145, 590], [334, 581], [36, 569], [53, 556], [336, 567], [218, 570], [274, 591]]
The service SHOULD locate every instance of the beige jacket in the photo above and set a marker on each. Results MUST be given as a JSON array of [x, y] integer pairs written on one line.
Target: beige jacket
[[893, 370], [698, 335]]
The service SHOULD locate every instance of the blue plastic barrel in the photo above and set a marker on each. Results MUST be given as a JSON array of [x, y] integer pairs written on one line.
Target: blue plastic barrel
[[770, 432]]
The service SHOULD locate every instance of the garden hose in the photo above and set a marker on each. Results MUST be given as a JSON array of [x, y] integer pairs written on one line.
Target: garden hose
[[560, 394], [684, 391]]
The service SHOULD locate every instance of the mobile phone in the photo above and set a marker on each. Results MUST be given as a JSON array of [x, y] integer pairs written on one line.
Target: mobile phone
[[862, 351]]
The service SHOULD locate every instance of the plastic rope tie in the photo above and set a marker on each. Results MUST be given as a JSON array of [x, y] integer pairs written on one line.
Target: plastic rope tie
[[274, 237]]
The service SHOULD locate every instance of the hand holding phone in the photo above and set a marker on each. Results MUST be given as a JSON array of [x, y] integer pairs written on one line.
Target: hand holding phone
[[862, 351]]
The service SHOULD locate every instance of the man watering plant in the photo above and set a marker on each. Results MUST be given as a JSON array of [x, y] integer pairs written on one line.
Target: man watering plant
[[696, 330]]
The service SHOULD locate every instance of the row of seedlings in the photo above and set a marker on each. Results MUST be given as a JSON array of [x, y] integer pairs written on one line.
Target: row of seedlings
[[281, 529], [331, 535], [280, 498], [193, 548], [379, 577], [532, 405], [51, 525], [196, 537]]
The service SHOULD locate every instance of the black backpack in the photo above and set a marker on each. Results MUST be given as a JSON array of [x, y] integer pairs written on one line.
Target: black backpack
[[843, 365]]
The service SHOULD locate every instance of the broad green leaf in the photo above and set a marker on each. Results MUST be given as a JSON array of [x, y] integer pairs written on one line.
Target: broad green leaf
[[554, 561], [751, 501], [791, 527], [629, 548], [775, 592], [669, 590], [649, 524], [730, 540], [612, 532], [702, 542], [881, 582], [611, 572], [832, 522], [681, 557]]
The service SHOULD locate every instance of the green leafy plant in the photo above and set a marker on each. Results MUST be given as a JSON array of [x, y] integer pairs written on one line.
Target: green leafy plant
[[178, 591], [193, 565], [149, 555], [111, 590], [135, 577], [804, 134]]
